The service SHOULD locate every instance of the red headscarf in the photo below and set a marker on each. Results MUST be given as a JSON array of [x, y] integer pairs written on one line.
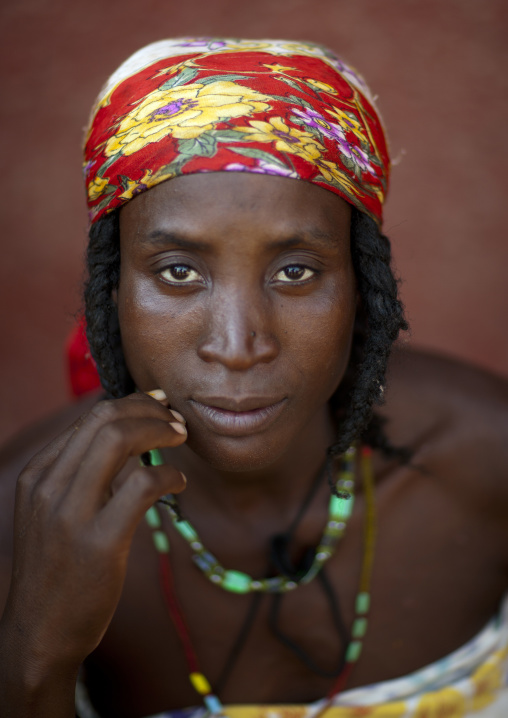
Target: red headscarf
[[272, 107]]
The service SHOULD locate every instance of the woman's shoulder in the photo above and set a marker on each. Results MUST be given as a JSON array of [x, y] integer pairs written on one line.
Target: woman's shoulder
[[454, 416], [433, 387]]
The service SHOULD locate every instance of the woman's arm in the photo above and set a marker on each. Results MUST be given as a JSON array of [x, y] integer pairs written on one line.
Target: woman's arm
[[78, 503]]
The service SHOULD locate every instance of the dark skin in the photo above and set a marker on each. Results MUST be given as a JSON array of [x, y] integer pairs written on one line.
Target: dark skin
[[250, 300]]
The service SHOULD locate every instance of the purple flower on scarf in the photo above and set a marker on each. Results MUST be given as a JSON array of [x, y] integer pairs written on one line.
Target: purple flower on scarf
[[361, 158], [172, 108], [262, 167], [336, 133], [87, 167], [327, 129], [316, 120]]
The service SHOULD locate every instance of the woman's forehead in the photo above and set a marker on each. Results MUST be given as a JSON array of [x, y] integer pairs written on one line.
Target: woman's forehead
[[196, 203]]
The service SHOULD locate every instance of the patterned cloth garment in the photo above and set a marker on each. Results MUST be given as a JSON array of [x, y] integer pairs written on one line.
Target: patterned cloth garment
[[471, 682], [185, 105]]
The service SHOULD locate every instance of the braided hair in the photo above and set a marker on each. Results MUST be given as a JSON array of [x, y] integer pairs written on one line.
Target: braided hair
[[379, 321]]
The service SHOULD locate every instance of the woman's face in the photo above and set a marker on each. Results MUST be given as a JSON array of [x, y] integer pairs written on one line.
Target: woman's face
[[237, 297]]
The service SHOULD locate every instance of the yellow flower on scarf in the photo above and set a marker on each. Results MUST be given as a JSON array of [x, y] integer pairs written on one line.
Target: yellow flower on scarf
[[96, 188], [349, 122], [133, 187], [183, 112], [287, 139], [447, 702], [332, 173], [322, 86], [278, 68], [487, 680]]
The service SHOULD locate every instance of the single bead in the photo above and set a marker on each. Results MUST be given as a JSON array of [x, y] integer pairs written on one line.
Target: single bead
[[161, 541], [156, 457], [346, 484], [353, 651], [152, 518], [208, 558], [362, 602], [346, 476], [273, 585], [336, 526], [213, 704], [236, 581], [328, 540], [290, 585], [196, 546], [202, 563], [322, 556], [256, 585], [200, 683], [359, 628], [341, 508], [186, 530]]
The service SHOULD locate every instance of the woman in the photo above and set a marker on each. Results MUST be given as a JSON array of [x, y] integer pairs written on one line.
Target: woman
[[241, 311]]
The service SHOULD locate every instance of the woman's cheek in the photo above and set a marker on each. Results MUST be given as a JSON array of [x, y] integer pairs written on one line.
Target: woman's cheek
[[323, 330], [146, 322]]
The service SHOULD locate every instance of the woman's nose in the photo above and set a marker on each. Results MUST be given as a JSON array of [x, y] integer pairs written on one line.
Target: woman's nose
[[238, 334]]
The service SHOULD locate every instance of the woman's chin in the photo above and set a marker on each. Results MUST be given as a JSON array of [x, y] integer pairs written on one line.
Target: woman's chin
[[245, 454]]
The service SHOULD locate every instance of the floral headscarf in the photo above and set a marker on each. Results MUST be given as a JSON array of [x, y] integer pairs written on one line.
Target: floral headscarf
[[183, 106]]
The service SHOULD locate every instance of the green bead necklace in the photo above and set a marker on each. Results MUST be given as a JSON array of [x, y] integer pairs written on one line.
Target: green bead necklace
[[339, 510]]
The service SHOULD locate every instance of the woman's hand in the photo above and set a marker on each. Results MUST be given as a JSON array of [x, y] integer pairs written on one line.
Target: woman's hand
[[78, 503]]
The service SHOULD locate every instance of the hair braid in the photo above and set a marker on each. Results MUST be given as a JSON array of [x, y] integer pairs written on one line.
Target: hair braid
[[383, 316], [103, 331]]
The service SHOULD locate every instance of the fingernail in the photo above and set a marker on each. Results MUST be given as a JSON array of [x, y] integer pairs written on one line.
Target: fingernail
[[178, 416], [179, 428], [157, 394]]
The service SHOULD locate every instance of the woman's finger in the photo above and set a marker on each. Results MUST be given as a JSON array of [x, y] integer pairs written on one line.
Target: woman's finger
[[39, 463], [108, 453], [141, 489], [67, 462]]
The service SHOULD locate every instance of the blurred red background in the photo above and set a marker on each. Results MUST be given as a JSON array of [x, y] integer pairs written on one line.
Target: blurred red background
[[440, 70]]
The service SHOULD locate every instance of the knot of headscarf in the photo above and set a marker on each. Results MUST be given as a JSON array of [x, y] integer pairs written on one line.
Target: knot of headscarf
[[183, 106]]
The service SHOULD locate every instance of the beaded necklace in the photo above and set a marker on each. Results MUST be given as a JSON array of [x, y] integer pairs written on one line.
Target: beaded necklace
[[339, 511], [362, 603]]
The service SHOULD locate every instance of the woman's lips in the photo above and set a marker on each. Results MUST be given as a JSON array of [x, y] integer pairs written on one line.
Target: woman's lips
[[240, 421]]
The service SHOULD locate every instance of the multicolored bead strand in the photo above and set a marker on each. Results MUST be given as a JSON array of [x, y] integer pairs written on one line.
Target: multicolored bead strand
[[362, 602], [340, 514], [197, 679], [339, 510]]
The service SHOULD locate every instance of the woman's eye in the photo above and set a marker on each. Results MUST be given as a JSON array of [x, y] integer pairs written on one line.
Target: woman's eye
[[294, 273], [180, 273]]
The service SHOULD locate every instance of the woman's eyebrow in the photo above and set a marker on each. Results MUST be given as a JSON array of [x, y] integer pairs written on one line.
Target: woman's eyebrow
[[311, 235], [162, 238]]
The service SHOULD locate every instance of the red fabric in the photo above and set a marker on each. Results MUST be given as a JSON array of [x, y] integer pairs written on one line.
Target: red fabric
[[82, 370], [288, 109]]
